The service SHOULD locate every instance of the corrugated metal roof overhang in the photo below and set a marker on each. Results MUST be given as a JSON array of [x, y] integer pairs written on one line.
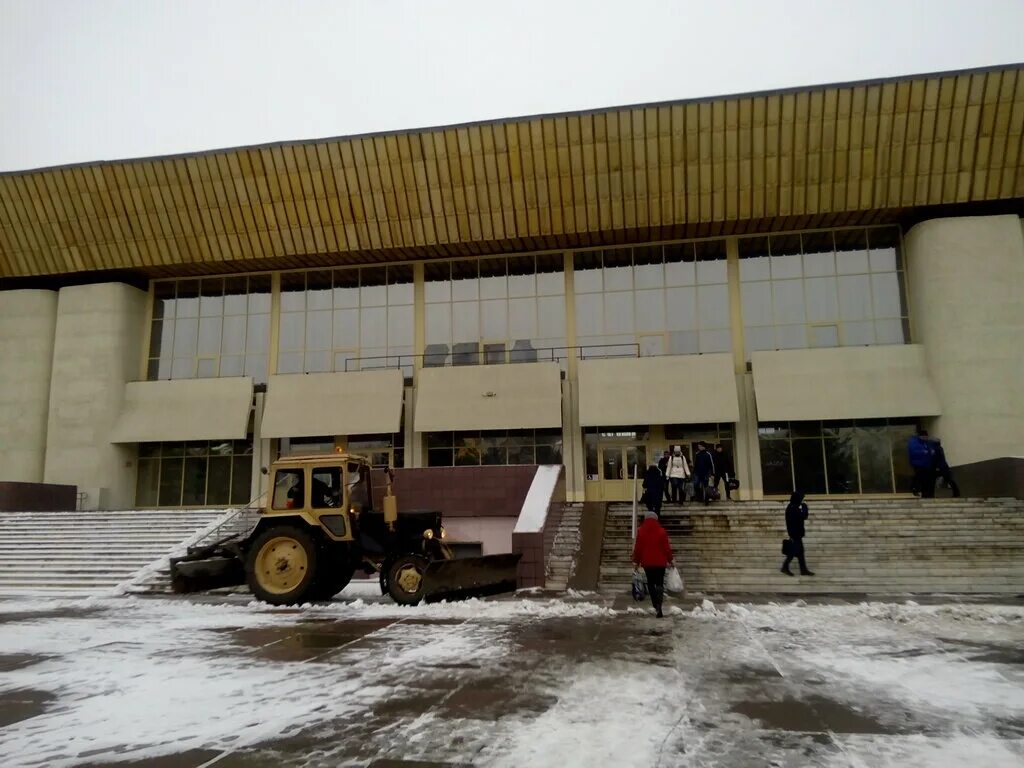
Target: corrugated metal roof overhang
[[513, 396], [681, 389], [843, 383], [184, 409], [314, 404]]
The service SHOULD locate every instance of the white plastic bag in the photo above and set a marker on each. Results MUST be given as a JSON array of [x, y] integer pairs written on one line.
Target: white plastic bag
[[674, 581]]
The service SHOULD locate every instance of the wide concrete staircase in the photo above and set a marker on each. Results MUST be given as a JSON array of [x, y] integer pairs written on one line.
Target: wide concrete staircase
[[853, 546], [566, 544], [89, 551]]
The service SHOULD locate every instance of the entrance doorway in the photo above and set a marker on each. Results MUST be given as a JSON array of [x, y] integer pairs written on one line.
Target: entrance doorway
[[616, 464]]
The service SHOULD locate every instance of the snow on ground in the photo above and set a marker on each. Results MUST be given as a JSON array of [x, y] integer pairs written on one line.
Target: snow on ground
[[513, 681]]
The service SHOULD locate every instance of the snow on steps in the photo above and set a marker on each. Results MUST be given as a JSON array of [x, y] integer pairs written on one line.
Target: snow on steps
[[93, 551], [562, 559], [854, 546]]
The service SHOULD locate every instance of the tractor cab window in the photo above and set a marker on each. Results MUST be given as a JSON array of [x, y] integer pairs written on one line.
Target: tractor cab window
[[289, 492], [359, 486], [327, 491]]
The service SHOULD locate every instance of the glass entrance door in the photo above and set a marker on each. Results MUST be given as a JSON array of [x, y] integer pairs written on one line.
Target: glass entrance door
[[618, 464]]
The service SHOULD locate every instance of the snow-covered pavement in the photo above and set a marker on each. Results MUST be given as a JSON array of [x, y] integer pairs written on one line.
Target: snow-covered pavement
[[527, 681]]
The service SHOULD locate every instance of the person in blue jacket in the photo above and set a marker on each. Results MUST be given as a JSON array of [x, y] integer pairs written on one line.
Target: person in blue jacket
[[921, 452]]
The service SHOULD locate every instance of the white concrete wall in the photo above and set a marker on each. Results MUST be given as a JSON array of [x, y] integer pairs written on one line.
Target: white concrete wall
[[495, 533], [966, 293], [27, 321], [97, 350]]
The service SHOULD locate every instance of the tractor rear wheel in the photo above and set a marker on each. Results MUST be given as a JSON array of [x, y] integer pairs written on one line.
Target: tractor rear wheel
[[281, 566], [333, 578], [405, 582]]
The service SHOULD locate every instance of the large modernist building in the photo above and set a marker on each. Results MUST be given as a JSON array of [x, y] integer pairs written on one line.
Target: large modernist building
[[803, 276]]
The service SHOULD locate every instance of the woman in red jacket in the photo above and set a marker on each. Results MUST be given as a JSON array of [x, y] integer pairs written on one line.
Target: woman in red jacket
[[653, 553]]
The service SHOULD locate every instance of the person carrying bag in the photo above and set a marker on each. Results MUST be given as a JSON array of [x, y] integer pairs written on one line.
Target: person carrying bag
[[653, 552]]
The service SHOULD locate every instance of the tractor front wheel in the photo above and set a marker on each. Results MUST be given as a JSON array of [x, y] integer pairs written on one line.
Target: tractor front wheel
[[281, 566], [405, 580]]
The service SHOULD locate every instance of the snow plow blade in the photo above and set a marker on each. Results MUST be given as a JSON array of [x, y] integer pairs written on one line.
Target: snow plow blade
[[470, 577], [199, 573]]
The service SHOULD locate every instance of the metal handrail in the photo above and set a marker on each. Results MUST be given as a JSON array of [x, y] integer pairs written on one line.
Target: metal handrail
[[536, 355]]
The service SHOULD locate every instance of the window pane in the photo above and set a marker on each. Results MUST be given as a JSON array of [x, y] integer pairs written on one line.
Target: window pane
[[713, 306], [289, 362], [650, 310], [345, 289], [319, 329], [218, 492], [147, 486], [183, 368], [439, 457], [855, 297], [232, 365], [759, 339], [819, 258], [618, 269], [289, 491], [170, 482], [373, 327], [875, 460], [259, 294], [293, 292], [550, 275], [825, 336], [841, 460], [493, 279], [400, 285], [885, 289], [788, 301], [858, 334], [373, 291], [522, 318], [683, 343], [257, 334], [754, 260], [233, 339], [187, 304], [587, 278], [776, 466], [882, 259], [318, 361], [318, 291], [680, 265], [400, 326], [186, 335], [851, 252], [465, 321], [256, 366], [787, 266], [809, 466], [899, 437], [467, 451], [235, 298], [889, 332], [590, 314], [822, 301], [437, 287], [757, 303], [681, 309], [618, 312], [649, 275], [293, 330], [791, 336], [465, 285], [206, 368], [715, 341], [494, 317], [346, 329], [439, 323], [551, 316], [241, 479]]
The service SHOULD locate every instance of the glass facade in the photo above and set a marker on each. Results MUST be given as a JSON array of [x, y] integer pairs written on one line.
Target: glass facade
[[346, 320], [658, 300], [495, 311], [195, 474], [823, 289], [211, 327], [511, 446], [836, 457]]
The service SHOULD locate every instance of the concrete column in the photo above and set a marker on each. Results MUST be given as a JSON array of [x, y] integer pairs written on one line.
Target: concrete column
[[747, 457], [97, 346], [27, 322], [965, 281], [261, 449]]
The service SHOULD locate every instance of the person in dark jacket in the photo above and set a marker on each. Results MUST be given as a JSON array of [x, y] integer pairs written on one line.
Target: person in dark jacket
[[921, 452], [654, 485], [796, 514], [724, 469], [703, 471], [653, 552], [942, 467], [663, 466]]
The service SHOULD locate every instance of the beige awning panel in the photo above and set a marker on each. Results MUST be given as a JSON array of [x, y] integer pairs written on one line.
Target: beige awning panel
[[843, 383], [514, 396], [185, 409], [314, 404], [680, 389]]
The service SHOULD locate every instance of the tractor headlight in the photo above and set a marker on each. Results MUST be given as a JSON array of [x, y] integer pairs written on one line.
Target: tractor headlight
[[428, 534]]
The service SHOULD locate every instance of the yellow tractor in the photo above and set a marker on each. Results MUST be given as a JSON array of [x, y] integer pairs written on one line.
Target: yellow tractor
[[320, 525]]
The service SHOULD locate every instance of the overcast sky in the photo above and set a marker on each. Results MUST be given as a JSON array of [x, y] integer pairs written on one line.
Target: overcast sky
[[85, 80]]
